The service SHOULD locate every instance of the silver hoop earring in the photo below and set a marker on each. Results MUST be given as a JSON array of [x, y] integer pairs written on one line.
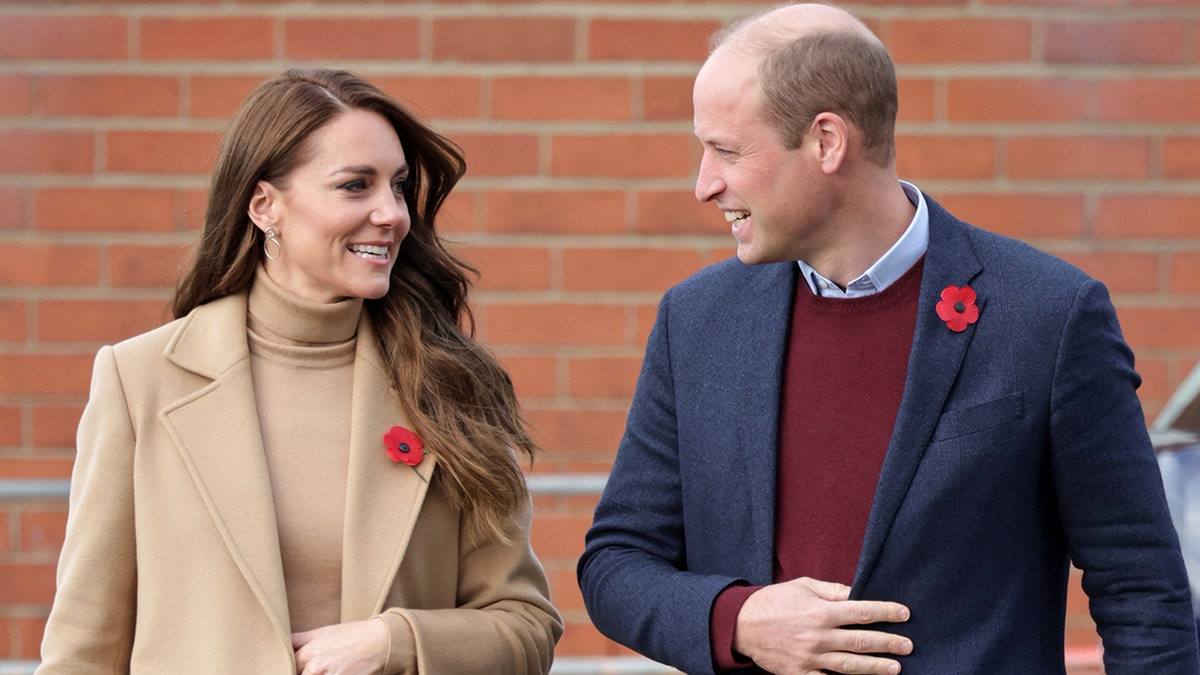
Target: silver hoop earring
[[272, 239]]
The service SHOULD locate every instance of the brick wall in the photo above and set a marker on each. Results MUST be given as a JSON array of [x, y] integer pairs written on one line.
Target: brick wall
[[1072, 125]]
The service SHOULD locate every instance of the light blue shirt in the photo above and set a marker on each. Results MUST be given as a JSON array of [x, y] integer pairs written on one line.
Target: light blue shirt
[[900, 258]]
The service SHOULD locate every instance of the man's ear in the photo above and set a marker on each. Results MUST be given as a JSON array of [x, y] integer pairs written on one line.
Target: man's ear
[[833, 140], [264, 205]]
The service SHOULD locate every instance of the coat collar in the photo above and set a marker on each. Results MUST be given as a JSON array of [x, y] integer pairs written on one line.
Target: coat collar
[[933, 365], [216, 432]]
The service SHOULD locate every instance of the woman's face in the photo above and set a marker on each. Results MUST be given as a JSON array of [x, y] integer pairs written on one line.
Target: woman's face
[[341, 215]]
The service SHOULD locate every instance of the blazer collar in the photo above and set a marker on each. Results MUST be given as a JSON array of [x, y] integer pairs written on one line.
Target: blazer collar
[[216, 432], [936, 357]]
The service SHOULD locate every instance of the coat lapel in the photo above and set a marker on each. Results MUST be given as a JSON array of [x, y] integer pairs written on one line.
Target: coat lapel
[[216, 433], [383, 499], [755, 327], [933, 365]]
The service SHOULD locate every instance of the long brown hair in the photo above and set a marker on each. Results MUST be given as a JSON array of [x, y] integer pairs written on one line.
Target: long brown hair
[[454, 392]]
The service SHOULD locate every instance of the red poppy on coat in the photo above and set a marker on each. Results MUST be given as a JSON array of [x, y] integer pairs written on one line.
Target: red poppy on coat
[[404, 446], [957, 308]]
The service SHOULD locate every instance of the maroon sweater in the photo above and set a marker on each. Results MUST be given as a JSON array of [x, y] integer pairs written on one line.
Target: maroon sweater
[[844, 374]]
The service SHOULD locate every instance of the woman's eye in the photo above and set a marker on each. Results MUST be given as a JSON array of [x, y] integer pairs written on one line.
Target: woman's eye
[[403, 186], [355, 186]]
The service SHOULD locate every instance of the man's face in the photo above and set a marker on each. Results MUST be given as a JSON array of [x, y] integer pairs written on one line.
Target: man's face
[[770, 194]]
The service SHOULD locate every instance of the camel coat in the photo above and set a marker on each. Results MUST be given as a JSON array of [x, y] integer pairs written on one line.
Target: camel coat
[[171, 561]]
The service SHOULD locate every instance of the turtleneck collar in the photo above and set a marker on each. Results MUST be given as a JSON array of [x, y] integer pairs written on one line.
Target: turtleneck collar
[[280, 316]]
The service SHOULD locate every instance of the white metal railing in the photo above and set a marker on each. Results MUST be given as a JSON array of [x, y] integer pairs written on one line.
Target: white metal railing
[[539, 484], [608, 665]]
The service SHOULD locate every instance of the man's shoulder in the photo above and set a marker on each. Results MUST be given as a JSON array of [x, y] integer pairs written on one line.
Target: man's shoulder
[[728, 276]]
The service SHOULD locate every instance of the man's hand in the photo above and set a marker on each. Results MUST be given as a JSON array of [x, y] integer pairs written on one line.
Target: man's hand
[[798, 628], [355, 648]]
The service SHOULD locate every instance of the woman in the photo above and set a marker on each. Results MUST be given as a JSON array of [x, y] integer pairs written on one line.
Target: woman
[[314, 468]]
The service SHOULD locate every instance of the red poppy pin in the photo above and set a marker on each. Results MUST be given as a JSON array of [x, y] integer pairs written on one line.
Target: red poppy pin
[[958, 308], [404, 447]]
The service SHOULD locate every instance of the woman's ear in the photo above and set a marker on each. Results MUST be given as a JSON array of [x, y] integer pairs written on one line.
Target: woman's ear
[[264, 205]]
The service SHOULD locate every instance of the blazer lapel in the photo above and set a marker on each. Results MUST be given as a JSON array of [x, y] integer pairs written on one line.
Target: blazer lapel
[[383, 499], [755, 328], [216, 433], [933, 365]]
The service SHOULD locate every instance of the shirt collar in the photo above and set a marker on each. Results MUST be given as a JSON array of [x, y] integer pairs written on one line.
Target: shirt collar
[[903, 254]]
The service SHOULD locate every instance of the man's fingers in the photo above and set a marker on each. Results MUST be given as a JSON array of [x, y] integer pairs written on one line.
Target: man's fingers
[[841, 662], [826, 590], [852, 612]]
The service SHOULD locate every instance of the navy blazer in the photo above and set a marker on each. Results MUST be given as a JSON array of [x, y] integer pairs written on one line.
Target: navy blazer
[[1019, 447]]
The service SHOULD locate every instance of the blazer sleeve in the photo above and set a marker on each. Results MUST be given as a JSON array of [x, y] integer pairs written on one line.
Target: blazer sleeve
[[633, 571], [90, 628], [503, 623], [1111, 501]]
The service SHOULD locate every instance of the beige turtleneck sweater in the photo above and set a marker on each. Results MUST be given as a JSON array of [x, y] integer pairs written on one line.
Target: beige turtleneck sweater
[[302, 366]]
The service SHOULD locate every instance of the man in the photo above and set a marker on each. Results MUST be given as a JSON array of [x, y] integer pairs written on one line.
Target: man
[[879, 437]]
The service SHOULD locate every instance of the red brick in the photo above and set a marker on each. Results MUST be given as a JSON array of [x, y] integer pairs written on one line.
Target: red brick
[[1153, 42], [217, 96], [1181, 157], [960, 40], [1184, 272], [138, 266], [8, 628], [555, 211], [54, 426], [162, 152], [104, 210], [626, 269], [1147, 100], [677, 212], [596, 431], [63, 37], [376, 37], [101, 95], [533, 376], [16, 93], [510, 268], [667, 98], [1121, 271], [646, 316], [1160, 327], [12, 208], [917, 100], [957, 157], [12, 320], [458, 214], [559, 536], [189, 38], [564, 590], [42, 531], [555, 324], [621, 156], [26, 584], [439, 97], [105, 321], [1154, 383], [1091, 157], [1024, 216], [1010, 99], [48, 265], [603, 376], [10, 435], [29, 637], [194, 204], [37, 151], [649, 39], [29, 374], [499, 154], [1148, 216], [504, 39], [15, 468], [561, 98]]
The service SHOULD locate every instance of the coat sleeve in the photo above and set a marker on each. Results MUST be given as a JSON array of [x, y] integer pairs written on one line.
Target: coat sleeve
[[90, 629], [1110, 498], [633, 571], [503, 622]]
